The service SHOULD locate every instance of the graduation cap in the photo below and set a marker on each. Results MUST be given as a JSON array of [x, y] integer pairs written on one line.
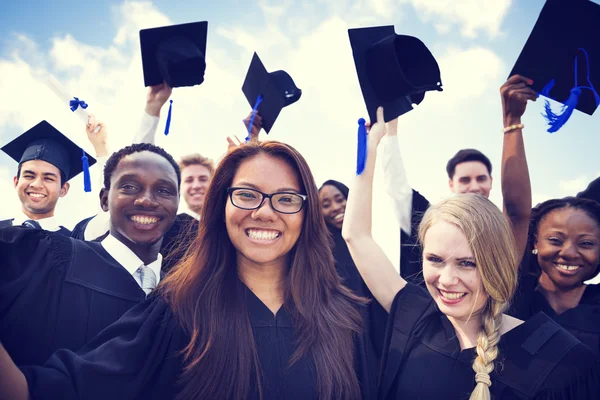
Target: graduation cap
[[174, 54], [394, 71], [46, 143], [562, 57], [268, 92]]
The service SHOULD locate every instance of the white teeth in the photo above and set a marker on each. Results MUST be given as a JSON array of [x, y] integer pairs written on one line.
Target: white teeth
[[567, 267], [262, 235], [452, 296], [144, 219], [338, 217], [36, 195]]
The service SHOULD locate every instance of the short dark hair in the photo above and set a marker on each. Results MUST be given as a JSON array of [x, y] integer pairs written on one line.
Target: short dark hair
[[465, 155], [592, 192], [63, 178], [339, 185], [113, 160]]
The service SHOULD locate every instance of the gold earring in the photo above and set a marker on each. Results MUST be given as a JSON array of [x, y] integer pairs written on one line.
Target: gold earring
[[534, 251]]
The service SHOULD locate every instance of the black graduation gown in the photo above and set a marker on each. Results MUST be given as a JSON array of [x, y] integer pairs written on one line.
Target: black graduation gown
[[410, 251], [175, 242], [374, 316], [583, 321], [61, 229], [139, 358], [57, 292], [423, 359]]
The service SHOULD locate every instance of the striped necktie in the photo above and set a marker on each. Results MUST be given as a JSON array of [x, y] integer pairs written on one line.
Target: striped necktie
[[148, 279]]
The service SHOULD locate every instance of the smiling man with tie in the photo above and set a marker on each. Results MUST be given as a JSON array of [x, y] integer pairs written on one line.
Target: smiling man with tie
[[58, 292]]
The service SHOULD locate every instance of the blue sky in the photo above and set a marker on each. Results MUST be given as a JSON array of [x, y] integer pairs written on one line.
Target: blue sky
[[92, 48]]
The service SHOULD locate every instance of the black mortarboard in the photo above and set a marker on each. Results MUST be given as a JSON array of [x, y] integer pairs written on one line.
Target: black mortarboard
[[276, 90], [46, 143], [562, 57], [394, 71], [592, 192], [174, 54]]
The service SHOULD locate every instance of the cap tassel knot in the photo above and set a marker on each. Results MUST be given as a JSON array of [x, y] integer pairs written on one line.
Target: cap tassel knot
[[557, 120], [259, 100], [87, 180], [168, 124], [361, 155]]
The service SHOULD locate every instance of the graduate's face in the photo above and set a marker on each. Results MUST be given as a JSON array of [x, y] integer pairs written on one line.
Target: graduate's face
[[568, 244], [333, 205], [471, 177], [194, 184], [39, 188], [264, 236], [142, 199], [450, 272]]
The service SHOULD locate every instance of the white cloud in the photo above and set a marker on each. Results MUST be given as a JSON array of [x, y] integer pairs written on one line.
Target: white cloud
[[471, 15]]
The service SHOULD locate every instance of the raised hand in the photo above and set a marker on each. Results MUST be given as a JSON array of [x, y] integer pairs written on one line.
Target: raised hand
[[256, 126], [97, 134], [377, 130], [156, 98], [515, 93]]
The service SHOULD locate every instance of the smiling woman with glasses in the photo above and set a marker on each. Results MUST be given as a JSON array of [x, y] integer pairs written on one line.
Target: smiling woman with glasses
[[255, 311]]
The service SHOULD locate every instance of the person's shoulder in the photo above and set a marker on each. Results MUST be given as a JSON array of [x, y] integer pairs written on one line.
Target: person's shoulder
[[533, 351]]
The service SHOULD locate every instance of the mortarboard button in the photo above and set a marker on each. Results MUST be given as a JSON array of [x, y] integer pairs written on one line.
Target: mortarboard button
[[268, 92], [46, 143], [174, 54], [562, 57], [394, 71]]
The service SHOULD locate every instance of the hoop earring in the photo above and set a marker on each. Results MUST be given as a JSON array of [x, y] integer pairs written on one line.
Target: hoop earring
[[534, 251]]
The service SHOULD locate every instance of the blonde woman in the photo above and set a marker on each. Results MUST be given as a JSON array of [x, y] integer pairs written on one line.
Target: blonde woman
[[455, 342]]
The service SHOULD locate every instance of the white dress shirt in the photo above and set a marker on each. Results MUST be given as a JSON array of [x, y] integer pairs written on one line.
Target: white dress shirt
[[48, 224], [127, 258], [396, 181]]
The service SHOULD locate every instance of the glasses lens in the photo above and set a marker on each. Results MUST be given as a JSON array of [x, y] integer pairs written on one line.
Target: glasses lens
[[287, 202], [246, 198]]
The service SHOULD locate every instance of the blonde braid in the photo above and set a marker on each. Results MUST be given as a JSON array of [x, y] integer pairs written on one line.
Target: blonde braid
[[487, 350]]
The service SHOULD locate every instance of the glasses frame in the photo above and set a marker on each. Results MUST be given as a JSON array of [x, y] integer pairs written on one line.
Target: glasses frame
[[231, 189]]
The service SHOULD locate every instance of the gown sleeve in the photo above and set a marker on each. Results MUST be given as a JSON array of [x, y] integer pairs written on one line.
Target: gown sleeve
[[136, 357], [577, 376], [31, 259], [410, 310]]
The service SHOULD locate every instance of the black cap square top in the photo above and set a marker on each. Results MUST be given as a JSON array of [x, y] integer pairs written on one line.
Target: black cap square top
[[563, 28], [394, 71], [44, 142], [277, 90], [174, 54]]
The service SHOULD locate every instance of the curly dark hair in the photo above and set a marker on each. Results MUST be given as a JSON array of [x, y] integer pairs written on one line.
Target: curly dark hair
[[590, 207], [113, 160]]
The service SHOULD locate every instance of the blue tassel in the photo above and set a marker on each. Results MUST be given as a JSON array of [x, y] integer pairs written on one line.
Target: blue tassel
[[557, 120], [361, 156], [168, 124], [259, 100], [87, 180]]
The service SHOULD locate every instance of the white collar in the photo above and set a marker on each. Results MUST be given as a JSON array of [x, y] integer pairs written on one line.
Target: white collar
[[127, 258], [48, 223], [186, 210]]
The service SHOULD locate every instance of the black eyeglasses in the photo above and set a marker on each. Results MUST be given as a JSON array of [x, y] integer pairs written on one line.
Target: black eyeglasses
[[251, 199]]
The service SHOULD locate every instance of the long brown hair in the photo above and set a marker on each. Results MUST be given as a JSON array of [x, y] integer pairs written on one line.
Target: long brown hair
[[206, 295]]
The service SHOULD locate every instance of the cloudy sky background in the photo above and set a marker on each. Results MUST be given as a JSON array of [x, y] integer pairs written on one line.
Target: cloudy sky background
[[93, 49]]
